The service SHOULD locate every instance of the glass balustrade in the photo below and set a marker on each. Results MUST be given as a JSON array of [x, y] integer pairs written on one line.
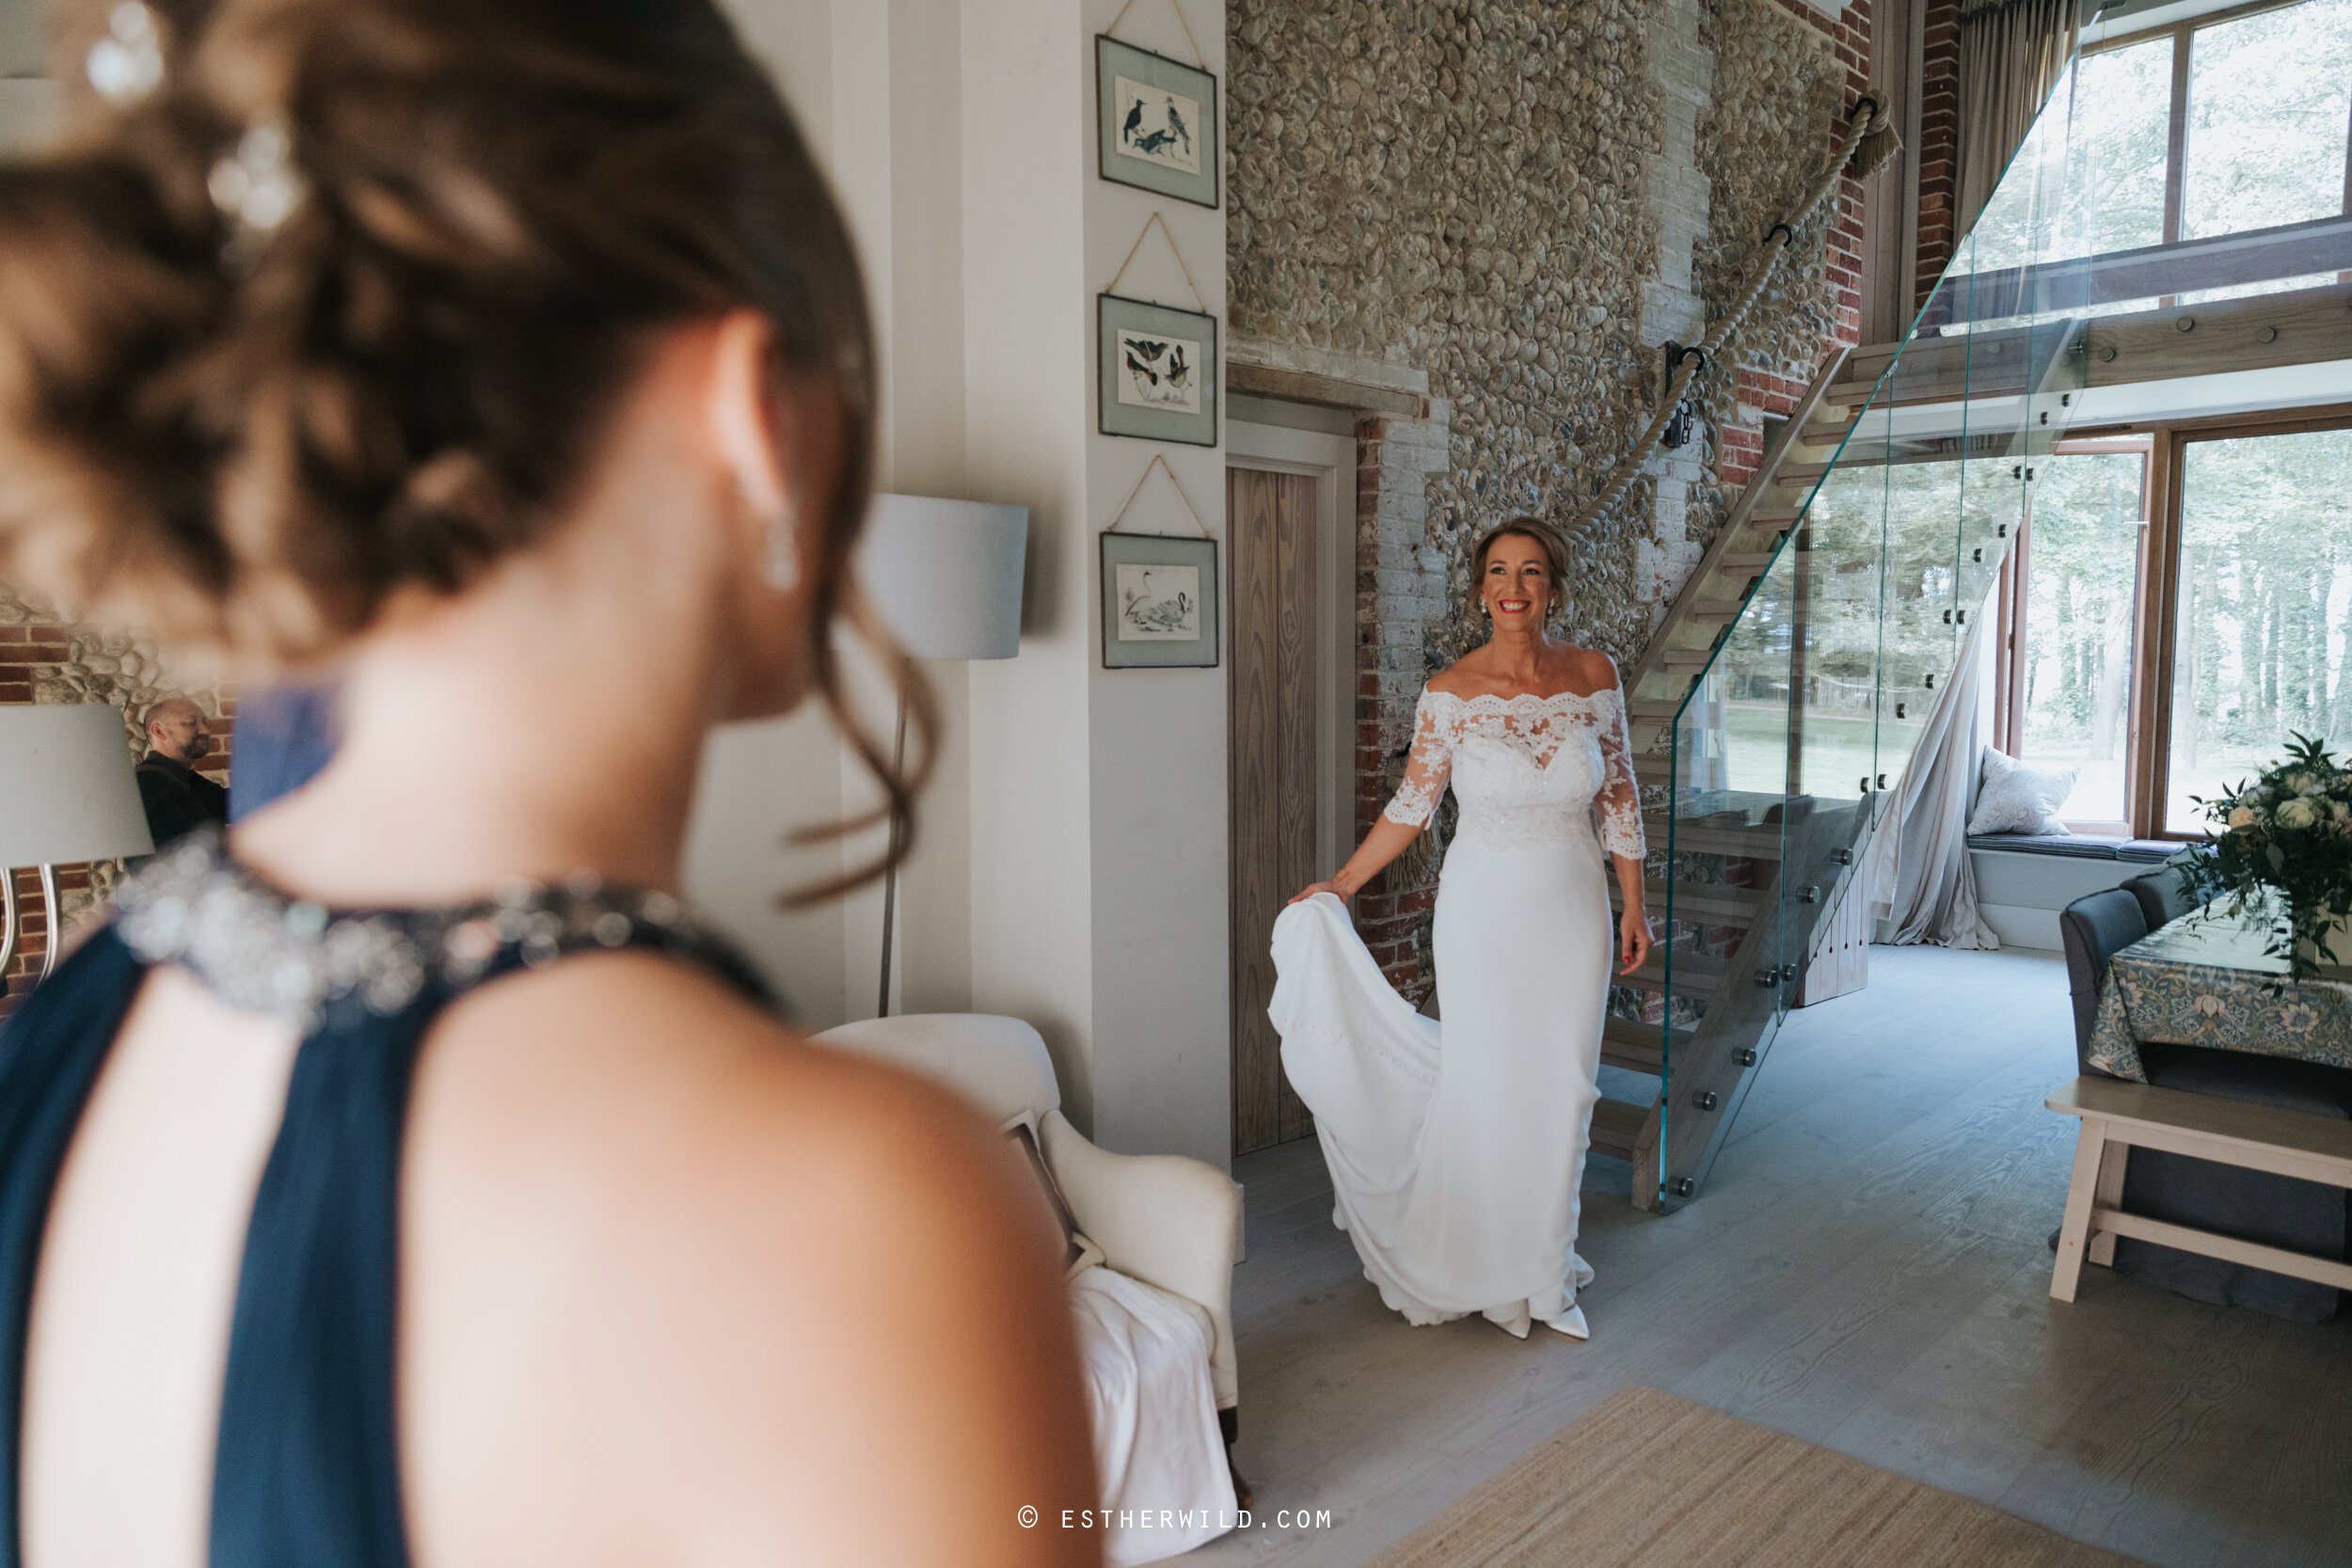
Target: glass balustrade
[[1832, 640]]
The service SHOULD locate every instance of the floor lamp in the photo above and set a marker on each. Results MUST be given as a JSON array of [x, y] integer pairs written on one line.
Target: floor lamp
[[66, 795], [946, 578]]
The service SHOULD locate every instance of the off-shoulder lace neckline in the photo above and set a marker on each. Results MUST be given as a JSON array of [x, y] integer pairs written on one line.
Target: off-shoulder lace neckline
[[1519, 697]]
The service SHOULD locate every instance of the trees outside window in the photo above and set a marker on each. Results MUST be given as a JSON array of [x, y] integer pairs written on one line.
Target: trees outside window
[[2177, 608], [2263, 608], [2204, 128], [2270, 101], [2071, 626]]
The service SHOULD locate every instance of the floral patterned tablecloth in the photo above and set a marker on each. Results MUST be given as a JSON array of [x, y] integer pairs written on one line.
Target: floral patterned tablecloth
[[2206, 981]]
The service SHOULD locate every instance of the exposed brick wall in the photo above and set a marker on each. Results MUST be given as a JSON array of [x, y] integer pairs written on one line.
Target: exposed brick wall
[[1939, 143], [32, 650], [1400, 592], [1772, 390]]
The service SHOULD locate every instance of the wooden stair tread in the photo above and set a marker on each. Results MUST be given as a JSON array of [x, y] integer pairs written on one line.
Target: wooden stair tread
[[1618, 1126], [1733, 904], [1699, 837], [1693, 975], [1635, 1046]]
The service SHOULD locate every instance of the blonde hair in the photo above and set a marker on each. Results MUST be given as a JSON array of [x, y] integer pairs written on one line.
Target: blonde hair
[[1543, 535]]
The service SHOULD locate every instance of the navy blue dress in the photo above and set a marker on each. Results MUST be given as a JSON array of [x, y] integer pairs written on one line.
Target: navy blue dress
[[307, 1469]]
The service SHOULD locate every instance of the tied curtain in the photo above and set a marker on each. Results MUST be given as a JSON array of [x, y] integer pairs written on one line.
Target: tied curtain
[[1921, 886], [2012, 54]]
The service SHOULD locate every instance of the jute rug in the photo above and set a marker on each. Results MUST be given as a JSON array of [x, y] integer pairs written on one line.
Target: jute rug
[[1648, 1480]]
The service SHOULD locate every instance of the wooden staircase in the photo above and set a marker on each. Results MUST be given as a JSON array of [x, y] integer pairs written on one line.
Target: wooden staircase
[[1740, 883]]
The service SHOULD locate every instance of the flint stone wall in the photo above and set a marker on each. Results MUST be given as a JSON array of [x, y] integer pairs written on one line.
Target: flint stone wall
[[1491, 192]]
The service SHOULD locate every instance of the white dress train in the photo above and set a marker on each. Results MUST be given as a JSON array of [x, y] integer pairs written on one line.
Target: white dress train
[[1457, 1149]]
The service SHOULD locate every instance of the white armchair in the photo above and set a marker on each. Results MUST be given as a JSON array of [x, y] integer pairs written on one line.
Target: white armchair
[[1167, 1221]]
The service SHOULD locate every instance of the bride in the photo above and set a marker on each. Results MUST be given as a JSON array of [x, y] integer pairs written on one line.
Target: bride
[[1457, 1153]]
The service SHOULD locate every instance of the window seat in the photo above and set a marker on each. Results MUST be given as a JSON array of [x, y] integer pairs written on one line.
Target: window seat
[[2024, 879], [2086, 847]]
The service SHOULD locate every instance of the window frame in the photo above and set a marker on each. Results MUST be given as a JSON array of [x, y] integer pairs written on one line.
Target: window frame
[[2151, 703], [2183, 34], [2147, 769], [2015, 606]]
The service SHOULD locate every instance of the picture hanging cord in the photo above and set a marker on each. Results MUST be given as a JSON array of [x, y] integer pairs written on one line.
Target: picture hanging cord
[[1169, 236], [1159, 461], [1198, 58]]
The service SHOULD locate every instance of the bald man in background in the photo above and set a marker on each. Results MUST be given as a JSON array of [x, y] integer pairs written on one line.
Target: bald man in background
[[178, 799]]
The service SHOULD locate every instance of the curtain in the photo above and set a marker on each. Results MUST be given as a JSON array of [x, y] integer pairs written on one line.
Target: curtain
[[1921, 885], [2011, 52]]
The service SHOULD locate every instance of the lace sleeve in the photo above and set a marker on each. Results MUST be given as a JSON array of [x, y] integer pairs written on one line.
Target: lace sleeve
[[1425, 773], [1619, 801]]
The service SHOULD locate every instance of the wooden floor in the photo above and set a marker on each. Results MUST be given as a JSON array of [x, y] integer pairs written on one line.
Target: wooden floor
[[1867, 1269]]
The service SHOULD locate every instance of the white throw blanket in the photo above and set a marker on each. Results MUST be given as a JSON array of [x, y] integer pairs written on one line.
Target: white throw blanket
[[1156, 1443]]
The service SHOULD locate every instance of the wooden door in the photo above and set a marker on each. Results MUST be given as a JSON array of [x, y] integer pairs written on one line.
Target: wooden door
[[1271, 522]]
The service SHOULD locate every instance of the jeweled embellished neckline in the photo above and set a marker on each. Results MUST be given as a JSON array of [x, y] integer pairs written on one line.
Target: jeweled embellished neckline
[[261, 951]]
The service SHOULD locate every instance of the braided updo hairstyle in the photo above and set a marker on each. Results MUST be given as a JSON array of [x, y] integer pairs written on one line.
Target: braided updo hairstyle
[[245, 435]]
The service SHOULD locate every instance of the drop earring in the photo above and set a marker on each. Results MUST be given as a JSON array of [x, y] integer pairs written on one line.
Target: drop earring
[[784, 548]]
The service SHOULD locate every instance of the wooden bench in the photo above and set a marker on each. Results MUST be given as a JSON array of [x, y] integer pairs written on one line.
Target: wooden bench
[[2119, 1117]]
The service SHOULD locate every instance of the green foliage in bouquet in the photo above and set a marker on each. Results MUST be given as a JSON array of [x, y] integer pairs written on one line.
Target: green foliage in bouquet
[[2284, 839]]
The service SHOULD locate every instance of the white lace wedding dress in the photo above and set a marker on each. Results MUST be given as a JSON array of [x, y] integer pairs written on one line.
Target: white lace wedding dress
[[1456, 1152]]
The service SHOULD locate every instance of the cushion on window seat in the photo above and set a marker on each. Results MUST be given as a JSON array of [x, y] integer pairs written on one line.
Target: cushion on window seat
[[2015, 797], [2081, 847]]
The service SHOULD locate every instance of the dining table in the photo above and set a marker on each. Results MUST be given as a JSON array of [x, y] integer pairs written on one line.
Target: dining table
[[2209, 979]]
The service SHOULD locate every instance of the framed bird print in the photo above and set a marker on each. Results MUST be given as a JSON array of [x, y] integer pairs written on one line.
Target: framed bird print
[[1159, 370], [1159, 602], [1159, 122]]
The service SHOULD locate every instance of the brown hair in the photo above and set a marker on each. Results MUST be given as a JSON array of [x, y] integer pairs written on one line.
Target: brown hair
[[1542, 534], [248, 441]]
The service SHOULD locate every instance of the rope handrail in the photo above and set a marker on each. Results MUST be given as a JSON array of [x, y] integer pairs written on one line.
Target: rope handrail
[[1871, 140]]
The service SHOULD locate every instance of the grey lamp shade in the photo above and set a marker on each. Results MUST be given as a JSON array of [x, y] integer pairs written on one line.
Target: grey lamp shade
[[946, 575], [66, 792]]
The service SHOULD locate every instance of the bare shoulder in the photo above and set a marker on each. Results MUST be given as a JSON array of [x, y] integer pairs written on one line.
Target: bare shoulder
[[1592, 670], [1461, 678], [699, 1222], [640, 1049], [1447, 682]]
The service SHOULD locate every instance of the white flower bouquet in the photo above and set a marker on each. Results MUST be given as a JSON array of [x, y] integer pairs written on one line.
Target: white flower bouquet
[[2285, 842]]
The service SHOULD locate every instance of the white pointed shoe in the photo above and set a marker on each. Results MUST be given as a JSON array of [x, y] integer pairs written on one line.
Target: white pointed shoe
[[1570, 1323]]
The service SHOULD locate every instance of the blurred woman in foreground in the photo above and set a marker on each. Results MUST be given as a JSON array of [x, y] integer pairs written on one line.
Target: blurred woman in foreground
[[408, 1177]]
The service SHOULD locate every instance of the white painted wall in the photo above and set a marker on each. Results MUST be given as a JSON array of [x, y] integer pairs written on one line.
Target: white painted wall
[[1072, 868], [29, 105], [1162, 1031]]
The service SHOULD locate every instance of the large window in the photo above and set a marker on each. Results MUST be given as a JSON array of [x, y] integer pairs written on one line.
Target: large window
[[2206, 128], [2267, 107], [2073, 587], [2178, 605], [2262, 609]]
